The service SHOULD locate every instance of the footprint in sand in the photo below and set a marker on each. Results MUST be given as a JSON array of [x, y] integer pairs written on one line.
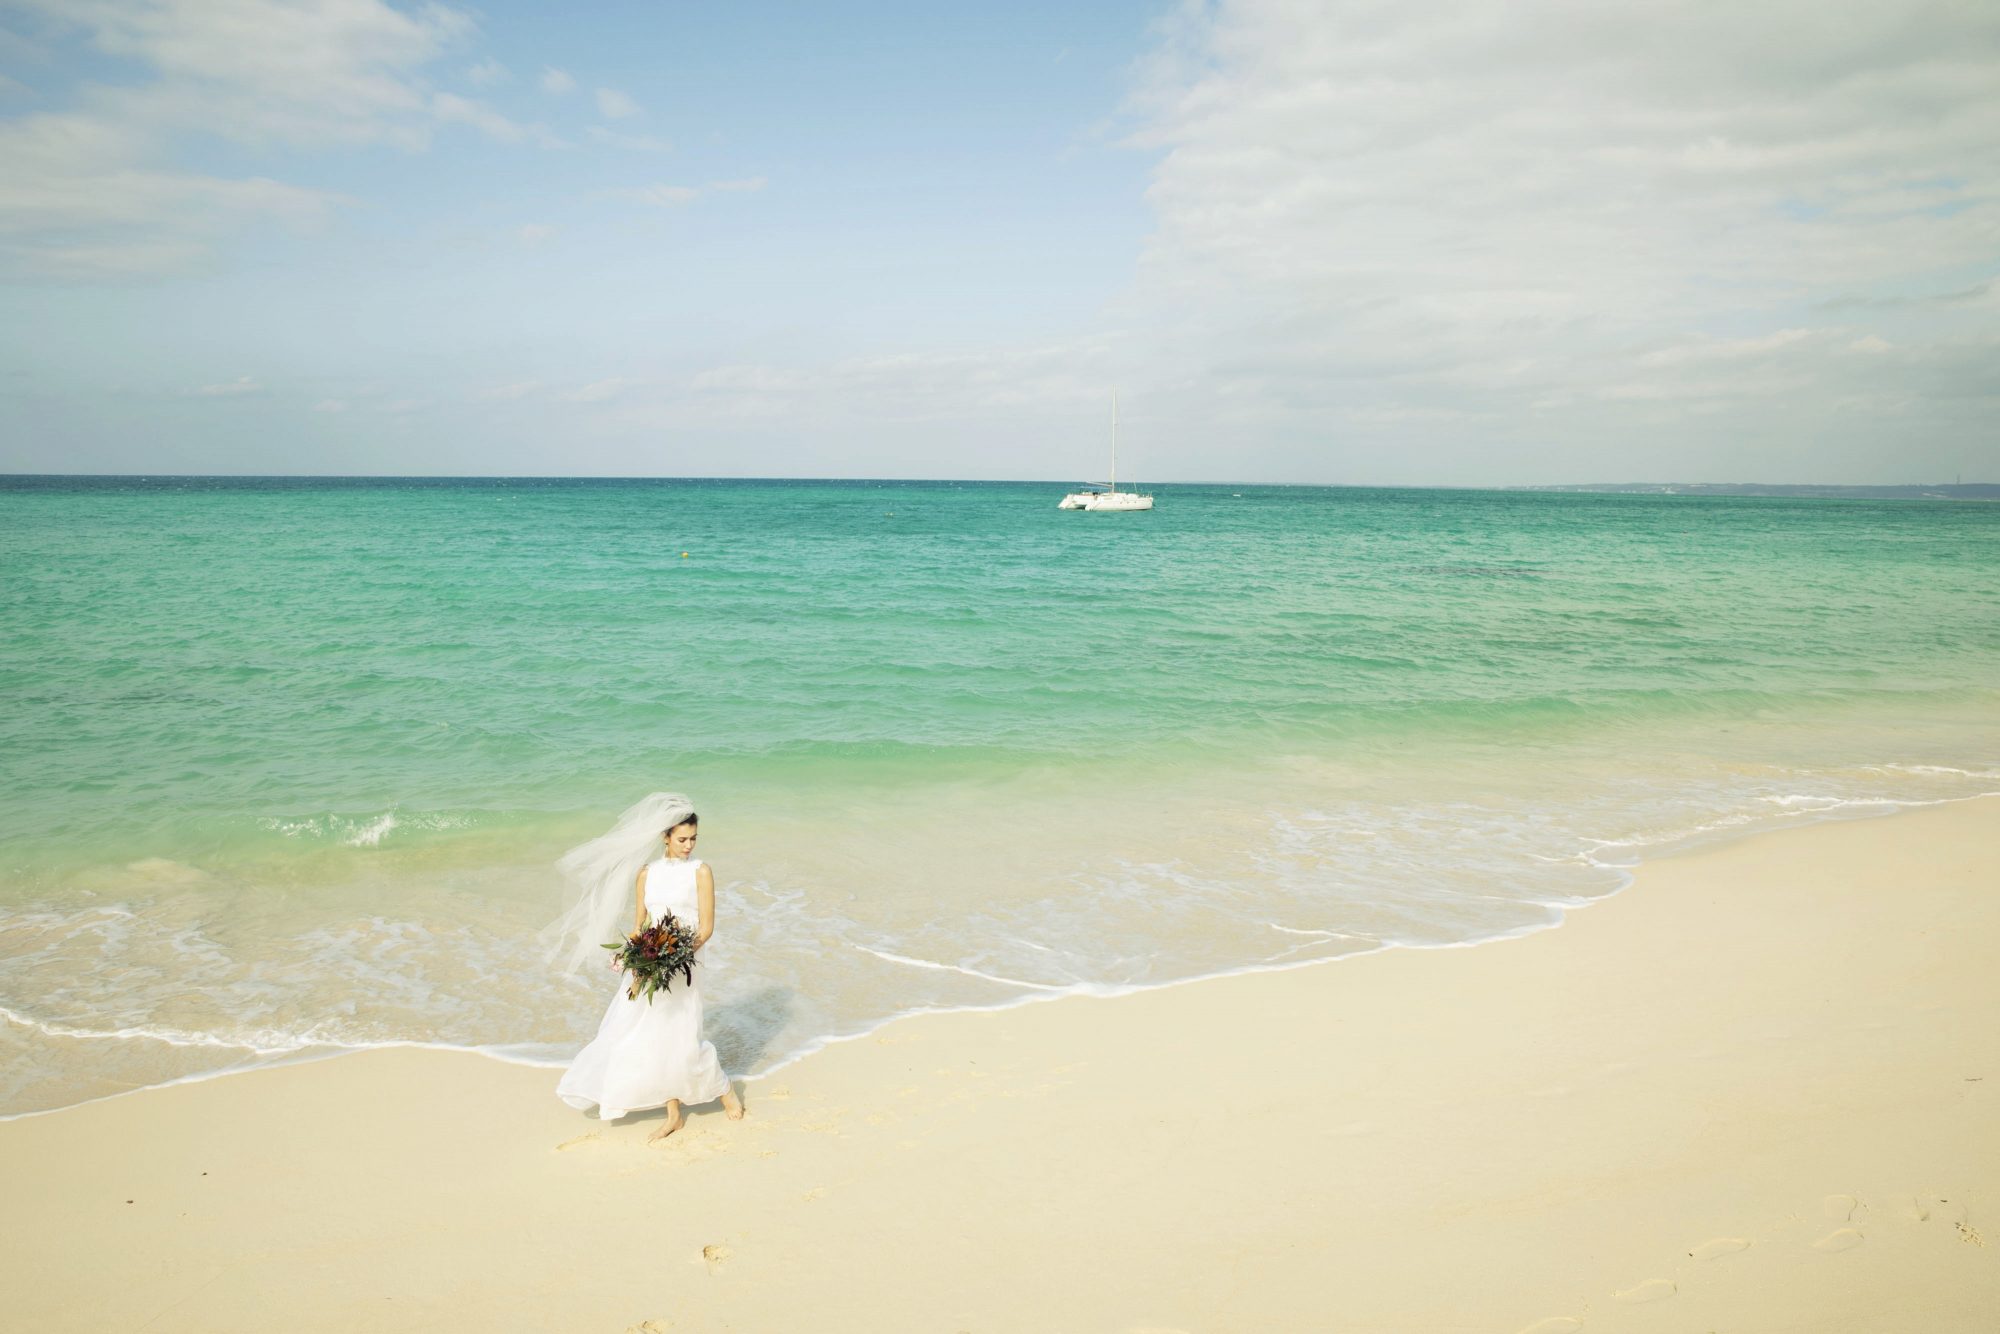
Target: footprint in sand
[[647, 1327], [1969, 1234], [813, 1194], [1652, 1290], [1840, 1239], [1923, 1208], [1719, 1246], [1840, 1208], [713, 1256], [578, 1142], [1555, 1324]]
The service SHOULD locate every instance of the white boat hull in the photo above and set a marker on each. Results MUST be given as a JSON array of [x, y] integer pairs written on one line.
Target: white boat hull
[[1113, 502]]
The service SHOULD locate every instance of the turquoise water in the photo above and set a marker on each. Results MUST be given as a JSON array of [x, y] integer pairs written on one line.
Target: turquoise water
[[287, 761]]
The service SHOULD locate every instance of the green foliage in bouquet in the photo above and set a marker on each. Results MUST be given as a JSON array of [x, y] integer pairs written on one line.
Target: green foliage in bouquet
[[656, 955]]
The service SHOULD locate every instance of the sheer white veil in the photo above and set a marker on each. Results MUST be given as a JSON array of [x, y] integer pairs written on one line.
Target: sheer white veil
[[601, 873]]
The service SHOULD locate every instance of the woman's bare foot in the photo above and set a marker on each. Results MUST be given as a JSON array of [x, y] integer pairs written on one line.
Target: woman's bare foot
[[732, 1104], [673, 1122]]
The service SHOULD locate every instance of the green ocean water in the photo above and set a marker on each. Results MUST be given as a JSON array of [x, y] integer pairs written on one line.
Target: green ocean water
[[286, 762]]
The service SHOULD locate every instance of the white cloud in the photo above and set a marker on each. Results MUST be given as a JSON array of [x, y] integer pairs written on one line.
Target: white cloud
[[614, 105], [451, 108], [1712, 350], [534, 233], [1521, 215], [1002, 385], [76, 200], [599, 391], [242, 386], [1038, 410], [93, 191], [662, 196], [1977, 296], [312, 73], [330, 405], [509, 392], [557, 81], [674, 196], [637, 143], [18, 50], [487, 73]]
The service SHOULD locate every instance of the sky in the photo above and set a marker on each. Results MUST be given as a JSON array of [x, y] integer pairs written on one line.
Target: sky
[[1464, 243]]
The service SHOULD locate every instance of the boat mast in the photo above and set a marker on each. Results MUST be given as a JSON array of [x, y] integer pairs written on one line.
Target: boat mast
[[1114, 442]]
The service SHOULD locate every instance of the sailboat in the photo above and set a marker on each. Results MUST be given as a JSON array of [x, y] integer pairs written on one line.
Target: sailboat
[[1108, 499]]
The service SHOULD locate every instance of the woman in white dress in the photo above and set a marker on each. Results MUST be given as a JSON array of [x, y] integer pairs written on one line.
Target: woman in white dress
[[650, 1052]]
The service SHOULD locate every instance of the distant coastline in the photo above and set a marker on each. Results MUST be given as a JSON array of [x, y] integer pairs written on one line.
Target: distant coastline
[[1938, 491]]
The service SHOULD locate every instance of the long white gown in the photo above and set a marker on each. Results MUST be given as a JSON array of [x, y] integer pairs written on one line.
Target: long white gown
[[649, 1052]]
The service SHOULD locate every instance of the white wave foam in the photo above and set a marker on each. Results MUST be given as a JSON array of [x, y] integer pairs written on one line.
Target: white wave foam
[[372, 834], [362, 831], [269, 1045], [1330, 935], [1937, 769], [955, 968]]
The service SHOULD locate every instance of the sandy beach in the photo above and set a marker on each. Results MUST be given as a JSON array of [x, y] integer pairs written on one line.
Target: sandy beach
[[1754, 1092], [1331, 667]]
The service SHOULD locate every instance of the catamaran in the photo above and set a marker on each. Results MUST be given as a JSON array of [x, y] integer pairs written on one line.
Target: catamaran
[[1108, 499]]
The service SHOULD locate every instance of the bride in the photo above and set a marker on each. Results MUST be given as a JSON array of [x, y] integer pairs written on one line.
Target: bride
[[648, 1052]]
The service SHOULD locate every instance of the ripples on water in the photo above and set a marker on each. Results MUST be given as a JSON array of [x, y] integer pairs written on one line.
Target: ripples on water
[[288, 762]]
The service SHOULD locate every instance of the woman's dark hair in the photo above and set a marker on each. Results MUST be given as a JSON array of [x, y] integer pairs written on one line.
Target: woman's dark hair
[[691, 818]]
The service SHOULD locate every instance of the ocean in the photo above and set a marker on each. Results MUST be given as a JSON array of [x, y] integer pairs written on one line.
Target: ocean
[[285, 763]]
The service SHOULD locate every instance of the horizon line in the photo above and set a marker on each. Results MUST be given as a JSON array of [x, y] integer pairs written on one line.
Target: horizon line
[[976, 481]]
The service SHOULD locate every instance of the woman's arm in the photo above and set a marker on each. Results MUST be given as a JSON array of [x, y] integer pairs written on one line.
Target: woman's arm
[[704, 885]]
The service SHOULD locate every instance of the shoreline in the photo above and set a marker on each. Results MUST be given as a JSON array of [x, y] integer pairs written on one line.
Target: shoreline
[[1682, 844], [1636, 1123]]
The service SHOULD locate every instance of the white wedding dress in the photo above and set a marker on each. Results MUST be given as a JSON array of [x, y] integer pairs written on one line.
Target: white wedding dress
[[647, 1053]]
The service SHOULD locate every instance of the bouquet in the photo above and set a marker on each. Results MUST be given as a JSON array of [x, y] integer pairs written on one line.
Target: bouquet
[[655, 955]]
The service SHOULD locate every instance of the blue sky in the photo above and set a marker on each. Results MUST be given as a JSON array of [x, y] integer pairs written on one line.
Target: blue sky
[[1477, 243]]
